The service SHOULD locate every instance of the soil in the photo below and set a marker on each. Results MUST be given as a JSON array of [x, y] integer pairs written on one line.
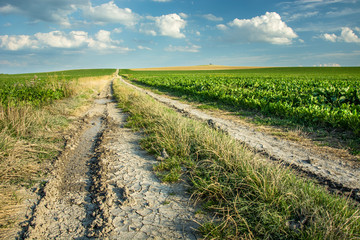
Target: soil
[[103, 186], [339, 175]]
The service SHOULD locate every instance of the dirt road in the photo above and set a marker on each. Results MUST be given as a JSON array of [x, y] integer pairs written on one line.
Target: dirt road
[[337, 174], [103, 186]]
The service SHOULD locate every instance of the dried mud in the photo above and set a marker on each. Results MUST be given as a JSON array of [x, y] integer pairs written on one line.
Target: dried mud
[[103, 187], [340, 176]]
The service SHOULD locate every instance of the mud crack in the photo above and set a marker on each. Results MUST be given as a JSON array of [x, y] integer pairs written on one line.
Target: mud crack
[[72, 198]]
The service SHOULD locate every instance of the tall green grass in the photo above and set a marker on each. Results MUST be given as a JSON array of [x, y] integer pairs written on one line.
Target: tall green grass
[[252, 198]]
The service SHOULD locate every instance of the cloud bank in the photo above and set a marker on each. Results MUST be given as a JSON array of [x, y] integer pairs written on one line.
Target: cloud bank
[[62, 40]]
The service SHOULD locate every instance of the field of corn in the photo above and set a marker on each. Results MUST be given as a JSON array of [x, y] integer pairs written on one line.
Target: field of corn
[[328, 97]]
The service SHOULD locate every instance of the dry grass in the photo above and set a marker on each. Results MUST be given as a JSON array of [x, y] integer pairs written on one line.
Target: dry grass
[[30, 138], [194, 68]]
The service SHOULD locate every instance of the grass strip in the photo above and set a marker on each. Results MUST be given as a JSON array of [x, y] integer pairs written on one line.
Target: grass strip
[[252, 198]]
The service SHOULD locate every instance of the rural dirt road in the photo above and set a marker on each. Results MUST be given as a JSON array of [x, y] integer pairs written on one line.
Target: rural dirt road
[[103, 187], [338, 175]]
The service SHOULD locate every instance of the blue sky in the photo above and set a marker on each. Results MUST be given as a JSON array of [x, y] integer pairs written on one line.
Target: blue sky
[[49, 35]]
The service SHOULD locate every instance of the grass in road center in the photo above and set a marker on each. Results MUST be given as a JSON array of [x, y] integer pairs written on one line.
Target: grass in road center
[[255, 199]]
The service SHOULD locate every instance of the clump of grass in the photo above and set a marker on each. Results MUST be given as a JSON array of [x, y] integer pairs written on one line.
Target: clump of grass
[[252, 198]]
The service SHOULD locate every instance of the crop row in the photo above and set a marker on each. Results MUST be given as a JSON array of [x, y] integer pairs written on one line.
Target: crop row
[[321, 99]]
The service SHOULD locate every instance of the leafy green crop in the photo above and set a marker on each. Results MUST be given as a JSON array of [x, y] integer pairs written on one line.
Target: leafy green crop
[[321, 96], [40, 88]]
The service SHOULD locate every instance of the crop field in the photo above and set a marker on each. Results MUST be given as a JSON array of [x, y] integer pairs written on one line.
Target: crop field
[[39, 88], [328, 97], [65, 139]]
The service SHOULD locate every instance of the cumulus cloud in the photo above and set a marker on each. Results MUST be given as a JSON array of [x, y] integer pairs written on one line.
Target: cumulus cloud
[[49, 11], [189, 48], [170, 25], [17, 42], [347, 35], [166, 25], [58, 39], [111, 13], [266, 28], [212, 17]]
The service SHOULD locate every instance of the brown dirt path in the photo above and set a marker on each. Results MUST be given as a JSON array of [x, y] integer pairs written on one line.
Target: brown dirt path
[[103, 187]]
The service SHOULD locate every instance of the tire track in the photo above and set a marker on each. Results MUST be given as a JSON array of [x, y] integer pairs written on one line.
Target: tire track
[[103, 187]]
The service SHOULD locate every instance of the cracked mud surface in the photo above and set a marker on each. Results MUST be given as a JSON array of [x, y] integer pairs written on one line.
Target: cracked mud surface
[[338, 175], [103, 187]]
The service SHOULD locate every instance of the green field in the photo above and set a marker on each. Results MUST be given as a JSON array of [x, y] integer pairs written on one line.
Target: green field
[[326, 97], [39, 88]]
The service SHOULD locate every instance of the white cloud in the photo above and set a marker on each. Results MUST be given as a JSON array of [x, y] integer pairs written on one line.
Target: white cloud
[[328, 65], [189, 48], [111, 13], [311, 4], [170, 25], [347, 35], [344, 12], [144, 48], [266, 28], [222, 27], [117, 30], [212, 17], [58, 39], [183, 15], [39, 10], [6, 9], [301, 16], [59, 11], [330, 37], [161, 0], [16, 42]]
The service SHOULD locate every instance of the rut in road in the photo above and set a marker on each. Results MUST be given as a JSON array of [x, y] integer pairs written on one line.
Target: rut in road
[[103, 186]]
